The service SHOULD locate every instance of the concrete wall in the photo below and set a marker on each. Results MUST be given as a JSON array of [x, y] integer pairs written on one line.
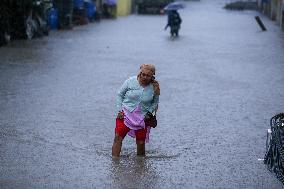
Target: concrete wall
[[279, 12], [273, 9], [282, 15], [264, 6]]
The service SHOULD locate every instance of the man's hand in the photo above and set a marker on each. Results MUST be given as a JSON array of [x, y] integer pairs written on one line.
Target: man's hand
[[166, 27], [156, 87], [120, 115]]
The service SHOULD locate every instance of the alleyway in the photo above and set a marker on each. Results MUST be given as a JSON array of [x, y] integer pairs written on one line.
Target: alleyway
[[221, 81]]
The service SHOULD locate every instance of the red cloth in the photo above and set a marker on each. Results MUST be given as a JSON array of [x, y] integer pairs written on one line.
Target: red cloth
[[122, 130]]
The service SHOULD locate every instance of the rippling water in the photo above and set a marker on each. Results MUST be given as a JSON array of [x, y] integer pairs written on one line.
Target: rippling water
[[221, 81]]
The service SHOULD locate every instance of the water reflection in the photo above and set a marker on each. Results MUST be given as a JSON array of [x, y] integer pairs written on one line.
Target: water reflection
[[133, 172]]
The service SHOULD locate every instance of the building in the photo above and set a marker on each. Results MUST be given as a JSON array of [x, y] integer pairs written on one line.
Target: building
[[274, 9], [124, 7]]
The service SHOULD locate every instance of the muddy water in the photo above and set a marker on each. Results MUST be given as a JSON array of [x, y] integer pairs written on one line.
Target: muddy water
[[221, 81]]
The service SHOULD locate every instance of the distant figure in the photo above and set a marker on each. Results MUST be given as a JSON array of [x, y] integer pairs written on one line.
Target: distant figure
[[137, 99], [174, 22]]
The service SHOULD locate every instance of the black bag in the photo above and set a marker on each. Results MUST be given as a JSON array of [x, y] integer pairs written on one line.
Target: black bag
[[151, 120]]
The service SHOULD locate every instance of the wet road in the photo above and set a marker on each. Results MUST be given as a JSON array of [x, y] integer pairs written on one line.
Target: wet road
[[221, 81]]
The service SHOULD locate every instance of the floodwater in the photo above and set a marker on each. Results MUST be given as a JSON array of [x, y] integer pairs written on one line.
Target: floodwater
[[221, 82]]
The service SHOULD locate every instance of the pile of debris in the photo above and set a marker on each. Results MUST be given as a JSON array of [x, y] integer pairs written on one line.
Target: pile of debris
[[150, 6], [242, 5]]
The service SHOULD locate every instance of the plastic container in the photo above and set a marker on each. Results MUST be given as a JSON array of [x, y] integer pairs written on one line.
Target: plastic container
[[53, 19], [90, 8]]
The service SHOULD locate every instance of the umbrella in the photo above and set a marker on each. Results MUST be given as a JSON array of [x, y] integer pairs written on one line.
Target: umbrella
[[174, 6]]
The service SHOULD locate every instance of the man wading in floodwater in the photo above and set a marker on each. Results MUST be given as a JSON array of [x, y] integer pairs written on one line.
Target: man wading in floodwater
[[174, 22], [137, 100]]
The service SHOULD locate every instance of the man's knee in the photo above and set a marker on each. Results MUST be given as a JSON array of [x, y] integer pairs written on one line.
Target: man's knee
[[117, 139], [140, 142]]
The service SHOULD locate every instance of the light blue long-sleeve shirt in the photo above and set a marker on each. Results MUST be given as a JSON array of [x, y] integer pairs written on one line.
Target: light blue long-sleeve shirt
[[131, 94]]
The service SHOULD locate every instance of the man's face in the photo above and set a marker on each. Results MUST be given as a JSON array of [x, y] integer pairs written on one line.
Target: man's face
[[146, 76]]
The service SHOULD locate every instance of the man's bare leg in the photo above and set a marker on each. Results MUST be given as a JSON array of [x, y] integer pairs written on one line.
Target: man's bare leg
[[116, 147], [140, 147]]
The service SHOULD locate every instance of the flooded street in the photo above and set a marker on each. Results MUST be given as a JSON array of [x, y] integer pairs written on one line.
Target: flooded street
[[221, 82]]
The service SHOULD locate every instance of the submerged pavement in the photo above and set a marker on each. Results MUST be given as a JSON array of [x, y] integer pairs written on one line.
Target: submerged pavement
[[221, 81]]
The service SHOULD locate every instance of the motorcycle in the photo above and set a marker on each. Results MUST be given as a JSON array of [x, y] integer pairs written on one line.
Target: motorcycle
[[36, 22]]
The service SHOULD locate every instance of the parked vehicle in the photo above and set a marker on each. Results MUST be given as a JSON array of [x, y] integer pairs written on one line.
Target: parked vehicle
[[23, 19], [36, 22]]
